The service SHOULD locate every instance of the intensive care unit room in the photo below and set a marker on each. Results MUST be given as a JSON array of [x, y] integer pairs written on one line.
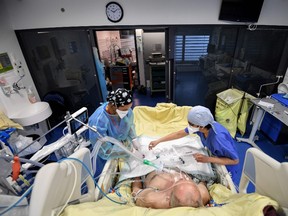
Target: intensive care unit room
[[143, 107]]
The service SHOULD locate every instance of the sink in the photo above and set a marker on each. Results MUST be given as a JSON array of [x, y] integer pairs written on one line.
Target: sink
[[32, 114]]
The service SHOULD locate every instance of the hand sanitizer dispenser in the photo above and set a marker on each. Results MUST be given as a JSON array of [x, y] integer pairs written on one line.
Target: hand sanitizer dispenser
[[31, 95]]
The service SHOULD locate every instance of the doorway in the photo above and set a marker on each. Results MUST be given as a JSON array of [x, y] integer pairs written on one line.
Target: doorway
[[117, 51]]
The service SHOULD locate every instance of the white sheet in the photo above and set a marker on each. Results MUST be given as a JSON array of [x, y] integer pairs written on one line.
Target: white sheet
[[171, 154]]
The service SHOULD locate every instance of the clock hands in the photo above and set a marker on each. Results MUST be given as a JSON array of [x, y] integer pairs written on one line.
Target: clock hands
[[115, 10]]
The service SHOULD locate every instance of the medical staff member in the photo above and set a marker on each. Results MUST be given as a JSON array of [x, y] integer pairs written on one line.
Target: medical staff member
[[213, 135], [114, 119]]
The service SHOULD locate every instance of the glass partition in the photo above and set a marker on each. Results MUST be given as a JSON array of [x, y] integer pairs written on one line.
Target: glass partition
[[62, 66], [210, 59]]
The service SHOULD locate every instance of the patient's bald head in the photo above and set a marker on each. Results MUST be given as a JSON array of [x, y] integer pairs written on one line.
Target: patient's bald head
[[186, 193]]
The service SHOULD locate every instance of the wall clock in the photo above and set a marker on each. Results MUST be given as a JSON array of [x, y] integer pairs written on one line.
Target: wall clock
[[114, 11]]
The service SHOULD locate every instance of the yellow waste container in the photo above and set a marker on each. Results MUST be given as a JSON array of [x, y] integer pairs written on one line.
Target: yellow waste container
[[244, 112], [232, 110]]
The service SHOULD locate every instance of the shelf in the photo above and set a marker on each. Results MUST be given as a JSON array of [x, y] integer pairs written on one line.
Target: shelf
[[157, 77], [121, 77]]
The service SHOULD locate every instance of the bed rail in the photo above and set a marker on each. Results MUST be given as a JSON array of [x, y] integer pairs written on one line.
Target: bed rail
[[268, 175]]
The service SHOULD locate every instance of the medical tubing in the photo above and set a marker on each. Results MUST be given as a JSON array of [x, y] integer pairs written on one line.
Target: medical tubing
[[119, 144], [114, 141], [94, 154], [87, 169], [108, 139], [91, 128], [17, 202], [23, 160]]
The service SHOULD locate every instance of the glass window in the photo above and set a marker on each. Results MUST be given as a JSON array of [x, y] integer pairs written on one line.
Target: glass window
[[190, 47]]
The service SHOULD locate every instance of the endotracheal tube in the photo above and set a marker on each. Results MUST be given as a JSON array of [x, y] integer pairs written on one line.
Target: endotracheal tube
[[112, 140]]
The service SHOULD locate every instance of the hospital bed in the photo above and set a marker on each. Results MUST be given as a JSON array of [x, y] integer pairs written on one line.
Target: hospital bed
[[58, 185]]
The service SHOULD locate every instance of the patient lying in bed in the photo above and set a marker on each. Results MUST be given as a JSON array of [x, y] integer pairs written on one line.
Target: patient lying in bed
[[163, 190]]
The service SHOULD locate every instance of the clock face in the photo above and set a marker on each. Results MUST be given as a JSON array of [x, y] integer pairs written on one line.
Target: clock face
[[114, 11]]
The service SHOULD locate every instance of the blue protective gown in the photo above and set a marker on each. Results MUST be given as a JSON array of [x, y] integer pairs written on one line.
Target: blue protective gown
[[110, 125], [221, 144]]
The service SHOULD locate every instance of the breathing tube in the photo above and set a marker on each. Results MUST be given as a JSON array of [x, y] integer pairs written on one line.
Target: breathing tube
[[116, 142]]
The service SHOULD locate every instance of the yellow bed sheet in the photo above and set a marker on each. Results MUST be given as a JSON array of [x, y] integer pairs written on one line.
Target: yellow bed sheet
[[160, 120], [235, 204]]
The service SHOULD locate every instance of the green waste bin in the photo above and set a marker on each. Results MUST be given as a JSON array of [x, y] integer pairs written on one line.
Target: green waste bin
[[232, 110]]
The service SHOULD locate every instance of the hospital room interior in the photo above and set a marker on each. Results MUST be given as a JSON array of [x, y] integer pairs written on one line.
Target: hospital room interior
[[69, 69]]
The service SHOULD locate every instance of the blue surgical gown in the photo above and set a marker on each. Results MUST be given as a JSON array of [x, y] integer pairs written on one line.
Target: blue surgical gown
[[110, 125], [221, 144]]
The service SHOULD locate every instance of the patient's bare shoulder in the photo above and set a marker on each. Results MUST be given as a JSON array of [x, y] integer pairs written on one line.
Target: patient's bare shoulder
[[161, 181]]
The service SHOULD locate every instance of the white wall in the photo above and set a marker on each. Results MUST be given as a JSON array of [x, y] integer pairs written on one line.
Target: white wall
[[26, 14], [10, 45]]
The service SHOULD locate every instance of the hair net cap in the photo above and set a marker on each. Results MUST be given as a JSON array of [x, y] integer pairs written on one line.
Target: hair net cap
[[120, 97], [200, 116]]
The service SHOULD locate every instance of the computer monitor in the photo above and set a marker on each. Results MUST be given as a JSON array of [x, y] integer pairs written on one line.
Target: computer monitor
[[240, 10]]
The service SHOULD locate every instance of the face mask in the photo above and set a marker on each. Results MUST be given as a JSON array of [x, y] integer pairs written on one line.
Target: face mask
[[121, 113], [192, 130]]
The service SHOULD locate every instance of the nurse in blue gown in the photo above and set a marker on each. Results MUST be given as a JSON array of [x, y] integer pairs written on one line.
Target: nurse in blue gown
[[213, 135], [114, 119]]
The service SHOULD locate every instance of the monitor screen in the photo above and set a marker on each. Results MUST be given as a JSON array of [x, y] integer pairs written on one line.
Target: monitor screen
[[240, 10], [74, 125]]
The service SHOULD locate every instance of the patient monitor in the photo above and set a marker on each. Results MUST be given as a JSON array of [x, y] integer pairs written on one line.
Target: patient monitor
[[73, 125]]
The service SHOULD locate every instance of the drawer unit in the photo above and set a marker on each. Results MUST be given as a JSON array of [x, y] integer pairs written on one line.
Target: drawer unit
[[274, 129]]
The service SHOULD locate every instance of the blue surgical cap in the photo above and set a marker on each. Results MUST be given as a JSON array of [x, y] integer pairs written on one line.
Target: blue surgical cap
[[201, 116]]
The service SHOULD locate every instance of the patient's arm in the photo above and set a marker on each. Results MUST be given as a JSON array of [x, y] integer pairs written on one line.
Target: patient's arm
[[136, 186], [151, 198]]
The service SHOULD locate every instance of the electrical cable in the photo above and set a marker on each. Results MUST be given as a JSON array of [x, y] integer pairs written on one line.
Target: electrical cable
[[73, 189], [17, 202], [90, 174], [63, 131]]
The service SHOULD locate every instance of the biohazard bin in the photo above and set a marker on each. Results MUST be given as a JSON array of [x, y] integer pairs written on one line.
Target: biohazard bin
[[244, 112], [232, 110]]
